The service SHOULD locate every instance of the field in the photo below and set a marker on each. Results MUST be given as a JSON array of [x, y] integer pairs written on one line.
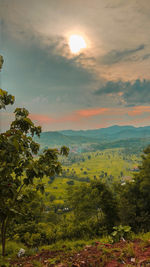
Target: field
[[109, 165]]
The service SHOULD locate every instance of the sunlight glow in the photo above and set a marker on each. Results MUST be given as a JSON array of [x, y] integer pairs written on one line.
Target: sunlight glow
[[76, 43]]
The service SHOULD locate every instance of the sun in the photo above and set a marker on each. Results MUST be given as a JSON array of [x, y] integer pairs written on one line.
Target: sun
[[76, 43]]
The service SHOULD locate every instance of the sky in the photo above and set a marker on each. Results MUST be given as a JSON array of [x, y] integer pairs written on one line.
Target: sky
[[107, 83]]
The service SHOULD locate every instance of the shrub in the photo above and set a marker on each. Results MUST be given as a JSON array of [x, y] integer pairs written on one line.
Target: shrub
[[70, 182], [120, 232], [32, 240]]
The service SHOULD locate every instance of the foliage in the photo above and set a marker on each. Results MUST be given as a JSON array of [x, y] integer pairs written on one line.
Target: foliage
[[141, 235], [18, 168], [14, 247], [32, 239], [134, 199], [1, 62], [5, 98], [70, 182], [94, 200], [120, 232]]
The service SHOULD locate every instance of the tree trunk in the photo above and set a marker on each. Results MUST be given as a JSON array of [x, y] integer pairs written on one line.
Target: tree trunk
[[3, 232]]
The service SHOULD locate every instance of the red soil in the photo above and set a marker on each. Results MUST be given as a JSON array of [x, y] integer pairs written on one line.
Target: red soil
[[135, 253]]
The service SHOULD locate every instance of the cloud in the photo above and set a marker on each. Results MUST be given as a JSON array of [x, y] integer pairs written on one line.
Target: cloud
[[115, 56], [139, 110], [146, 56], [135, 93], [95, 117], [78, 115], [44, 76], [39, 71], [110, 87], [74, 116], [91, 112], [41, 119], [113, 29]]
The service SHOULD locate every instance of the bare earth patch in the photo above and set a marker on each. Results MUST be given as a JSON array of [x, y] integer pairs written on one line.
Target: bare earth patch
[[124, 253]]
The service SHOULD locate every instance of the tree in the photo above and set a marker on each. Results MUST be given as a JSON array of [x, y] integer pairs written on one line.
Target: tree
[[94, 200], [18, 167], [5, 98], [135, 197]]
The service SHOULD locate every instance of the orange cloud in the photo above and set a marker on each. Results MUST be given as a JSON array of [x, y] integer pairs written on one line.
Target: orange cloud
[[120, 93], [42, 119], [91, 112], [75, 116], [83, 113], [138, 110], [108, 116]]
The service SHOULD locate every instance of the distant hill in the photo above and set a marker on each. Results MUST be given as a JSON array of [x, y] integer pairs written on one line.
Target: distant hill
[[111, 137], [112, 133], [59, 139], [134, 145]]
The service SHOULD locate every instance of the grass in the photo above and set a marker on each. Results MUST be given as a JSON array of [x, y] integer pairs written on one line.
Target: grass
[[12, 248], [36, 263], [74, 245], [77, 245], [128, 251], [111, 161], [142, 236]]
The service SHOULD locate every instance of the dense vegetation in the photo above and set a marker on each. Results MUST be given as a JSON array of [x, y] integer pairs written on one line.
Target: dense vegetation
[[42, 203], [18, 167]]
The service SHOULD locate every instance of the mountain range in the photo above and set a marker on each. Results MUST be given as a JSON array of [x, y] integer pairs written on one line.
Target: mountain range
[[114, 136], [111, 133]]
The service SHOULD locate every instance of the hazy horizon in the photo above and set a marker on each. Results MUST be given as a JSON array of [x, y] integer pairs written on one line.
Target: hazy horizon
[[76, 130]]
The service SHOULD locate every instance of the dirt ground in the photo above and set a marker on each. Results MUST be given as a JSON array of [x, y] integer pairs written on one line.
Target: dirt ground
[[135, 253]]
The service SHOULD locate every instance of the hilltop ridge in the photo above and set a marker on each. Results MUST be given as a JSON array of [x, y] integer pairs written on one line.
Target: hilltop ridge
[[114, 136]]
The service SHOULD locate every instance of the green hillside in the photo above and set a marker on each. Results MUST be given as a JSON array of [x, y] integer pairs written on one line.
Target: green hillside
[[59, 139], [112, 133], [109, 166], [128, 137]]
